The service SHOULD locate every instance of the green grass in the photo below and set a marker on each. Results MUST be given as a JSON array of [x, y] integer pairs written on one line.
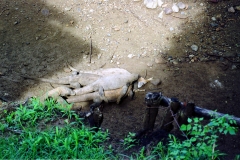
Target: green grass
[[29, 133], [51, 131]]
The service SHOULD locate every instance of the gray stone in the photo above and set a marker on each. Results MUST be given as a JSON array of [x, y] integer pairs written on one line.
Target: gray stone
[[194, 47]]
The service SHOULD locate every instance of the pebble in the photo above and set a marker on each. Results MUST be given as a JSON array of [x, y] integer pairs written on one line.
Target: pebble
[[160, 15], [167, 11], [234, 67], [231, 9], [160, 3], [68, 8], [151, 3], [213, 18], [216, 84], [194, 47], [191, 56], [171, 28], [131, 56], [175, 8], [181, 5], [149, 64]]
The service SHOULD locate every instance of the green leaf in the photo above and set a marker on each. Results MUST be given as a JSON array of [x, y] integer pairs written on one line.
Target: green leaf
[[183, 127], [189, 127], [189, 120], [232, 131]]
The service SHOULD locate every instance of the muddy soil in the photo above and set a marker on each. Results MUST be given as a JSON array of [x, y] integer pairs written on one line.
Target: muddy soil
[[39, 38]]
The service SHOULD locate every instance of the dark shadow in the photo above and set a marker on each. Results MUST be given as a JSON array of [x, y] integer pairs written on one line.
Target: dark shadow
[[37, 40], [188, 74]]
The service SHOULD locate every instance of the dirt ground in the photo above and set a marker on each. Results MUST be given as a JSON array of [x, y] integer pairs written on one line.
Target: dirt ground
[[40, 37]]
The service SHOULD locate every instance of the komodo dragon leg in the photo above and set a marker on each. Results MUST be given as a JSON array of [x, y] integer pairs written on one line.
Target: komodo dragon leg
[[94, 96], [114, 95], [56, 93]]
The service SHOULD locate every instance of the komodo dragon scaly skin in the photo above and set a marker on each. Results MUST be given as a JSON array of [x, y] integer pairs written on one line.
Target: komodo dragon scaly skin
[[107, 83], [104, 72], [111, 95], [57, 94], [82, 78]]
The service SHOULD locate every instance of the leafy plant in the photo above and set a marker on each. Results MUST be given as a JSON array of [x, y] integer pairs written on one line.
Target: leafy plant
[[201, 142], [29, 137], [129, 141]]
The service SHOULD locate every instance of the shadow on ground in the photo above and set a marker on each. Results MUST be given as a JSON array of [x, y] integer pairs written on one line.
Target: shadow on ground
[[36, 40]]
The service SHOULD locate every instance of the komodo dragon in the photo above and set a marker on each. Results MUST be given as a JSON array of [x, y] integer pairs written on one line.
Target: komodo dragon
[[108, 83], [111, 95], [85, 77]]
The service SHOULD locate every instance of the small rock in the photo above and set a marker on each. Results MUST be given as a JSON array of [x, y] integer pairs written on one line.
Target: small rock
[[151, 3], [171, 29], [160, 15], [191, 56], [16, 22], [67, 70], [175, 8], [99, 56], [131, 56], [181, 5], [167, 11], [216, 84], [231, 9], [234, 67], [213, 18], [201, 4], [68, 8], [194, 47], [160, 3], [156, 82], [118, 63], [149, 64]]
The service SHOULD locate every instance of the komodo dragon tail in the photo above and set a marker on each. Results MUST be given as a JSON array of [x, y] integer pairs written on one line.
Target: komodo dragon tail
[[55, 81]]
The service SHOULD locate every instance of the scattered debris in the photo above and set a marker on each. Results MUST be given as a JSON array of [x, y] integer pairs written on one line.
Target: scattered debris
[[231, 9], [194, 47], [216, 84]]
